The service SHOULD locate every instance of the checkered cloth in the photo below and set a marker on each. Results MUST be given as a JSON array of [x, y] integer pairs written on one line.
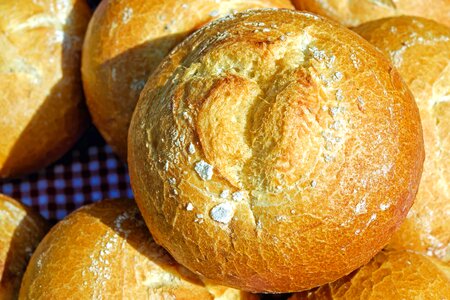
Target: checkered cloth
[[89, 173]]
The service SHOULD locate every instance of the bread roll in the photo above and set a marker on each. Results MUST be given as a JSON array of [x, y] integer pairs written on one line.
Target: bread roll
[[275, 151], [389, 275], [41, 103], [20, 232], [127, 40], [104, 251], [420, 49], [353, 13]]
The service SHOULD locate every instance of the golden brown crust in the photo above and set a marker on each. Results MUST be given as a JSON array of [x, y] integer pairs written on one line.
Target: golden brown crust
[[21, 230], [389, 275], [275, 151], [104, 251], [420, 49], [41, 103], [354, 13], [127, 40]]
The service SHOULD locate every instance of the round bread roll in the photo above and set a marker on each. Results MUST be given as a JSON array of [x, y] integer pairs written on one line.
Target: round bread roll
[[21, 230], [353, 13], [41, 103], [420, 49], [389, 275], [274, 151], [104, 251], [126, 41]]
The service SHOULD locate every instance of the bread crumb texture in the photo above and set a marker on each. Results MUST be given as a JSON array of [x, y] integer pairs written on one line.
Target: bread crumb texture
[[308, 154]]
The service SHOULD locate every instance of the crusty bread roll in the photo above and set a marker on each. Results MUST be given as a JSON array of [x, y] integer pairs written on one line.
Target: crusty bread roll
[[41, 103], [389, 275], [104, 251], [353, 13], [275, 151], [127, 40], [20, 232], [420, 49]]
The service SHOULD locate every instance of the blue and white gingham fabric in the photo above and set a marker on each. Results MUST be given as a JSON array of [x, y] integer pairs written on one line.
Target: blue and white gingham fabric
[[89, 173]]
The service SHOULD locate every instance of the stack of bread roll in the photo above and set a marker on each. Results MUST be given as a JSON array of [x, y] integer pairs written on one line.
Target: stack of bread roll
[[270, 150]]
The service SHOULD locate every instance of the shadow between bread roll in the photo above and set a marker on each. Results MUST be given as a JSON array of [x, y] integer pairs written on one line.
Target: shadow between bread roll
[[389, 275], [104, 251], [354, 13], [126, 41], [275, 151], [41, 101], [420, 50], [20, 232]]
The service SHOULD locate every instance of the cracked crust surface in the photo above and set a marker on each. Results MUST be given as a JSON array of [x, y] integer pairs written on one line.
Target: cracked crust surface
[[356, 12], [420, 50], [274, 151], [104, 251], [389, 275], [126, 41], [21, 230], [41, 101]]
